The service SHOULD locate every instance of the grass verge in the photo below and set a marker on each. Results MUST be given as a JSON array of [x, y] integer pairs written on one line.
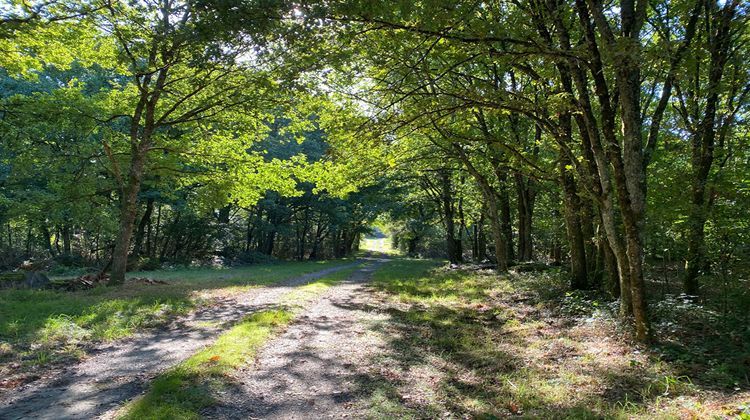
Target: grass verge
[[183, 391], [41, 326], [472, 344]]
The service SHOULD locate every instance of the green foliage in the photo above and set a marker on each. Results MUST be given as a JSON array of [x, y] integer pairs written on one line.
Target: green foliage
[[260, 130], [226, 129]]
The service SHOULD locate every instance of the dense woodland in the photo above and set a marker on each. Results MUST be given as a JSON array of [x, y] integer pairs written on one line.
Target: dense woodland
[[608, 138]]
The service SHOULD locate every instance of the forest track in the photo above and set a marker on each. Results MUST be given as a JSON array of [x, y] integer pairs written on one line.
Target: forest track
[[313, 369], [119, 371]]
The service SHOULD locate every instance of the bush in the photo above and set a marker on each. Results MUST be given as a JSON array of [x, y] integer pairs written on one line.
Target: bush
[[60, 270], [251, 257], [149, 264]]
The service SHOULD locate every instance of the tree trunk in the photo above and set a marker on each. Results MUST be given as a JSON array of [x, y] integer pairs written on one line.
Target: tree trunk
[[140, 233], [140, 143], [703, 143], [482, 242], [571, 209], [696, 243], [525, 196], [475, 242], [506, 223], [633, 206], [492, 206], [249, 231], [46, 239], [626, 156], [610, 265], [340, 250], [149, 239], [411, 246], [479, 251], [556, 253], [587, 228], [128, 210], [66, 237], [453, 244], [157, 231], [317, 241], [269, 242], [10, 236]]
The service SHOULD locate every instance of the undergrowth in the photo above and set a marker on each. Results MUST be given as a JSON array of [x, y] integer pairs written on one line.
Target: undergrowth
[[477, 345]]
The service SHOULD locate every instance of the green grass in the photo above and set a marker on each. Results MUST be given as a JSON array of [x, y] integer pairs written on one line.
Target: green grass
[[183, 391], [303, 294], [467, 344], [39, 326]]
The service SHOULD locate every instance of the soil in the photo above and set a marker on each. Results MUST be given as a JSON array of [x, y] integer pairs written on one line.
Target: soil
[[313, 369], [115, 373]]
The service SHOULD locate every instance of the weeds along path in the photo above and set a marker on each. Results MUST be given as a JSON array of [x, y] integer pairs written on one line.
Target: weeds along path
[[120, 371], [311, 370]]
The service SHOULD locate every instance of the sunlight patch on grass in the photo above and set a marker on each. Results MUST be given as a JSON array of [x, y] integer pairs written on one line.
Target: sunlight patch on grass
[[503, 350], [42, 326], [185, 389]]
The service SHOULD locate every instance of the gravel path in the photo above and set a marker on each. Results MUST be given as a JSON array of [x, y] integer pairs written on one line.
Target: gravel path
[[120, 371], [311, 370]]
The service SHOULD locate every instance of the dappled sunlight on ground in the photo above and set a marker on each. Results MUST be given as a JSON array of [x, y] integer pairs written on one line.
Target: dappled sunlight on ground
[[478, 345], [118, 371], [421, 340], [43, 327]]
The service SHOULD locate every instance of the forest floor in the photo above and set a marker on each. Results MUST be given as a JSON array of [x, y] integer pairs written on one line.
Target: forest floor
[[470, 344], [401, 338]]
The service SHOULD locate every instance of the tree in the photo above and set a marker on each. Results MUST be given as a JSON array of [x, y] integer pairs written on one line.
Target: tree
[[586, 61], [180, 76], [719, 88]]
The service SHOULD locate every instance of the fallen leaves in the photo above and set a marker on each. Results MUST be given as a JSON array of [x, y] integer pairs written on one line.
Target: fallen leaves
[[515, 408]]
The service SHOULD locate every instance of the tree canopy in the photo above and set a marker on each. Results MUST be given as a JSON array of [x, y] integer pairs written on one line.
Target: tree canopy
[[607, 138]]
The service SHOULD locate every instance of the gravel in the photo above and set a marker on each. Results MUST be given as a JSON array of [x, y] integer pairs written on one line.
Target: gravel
[[312, 369], [115, 373]]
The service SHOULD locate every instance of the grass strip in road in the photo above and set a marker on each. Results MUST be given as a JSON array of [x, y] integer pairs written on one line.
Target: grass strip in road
[[184, 390]]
